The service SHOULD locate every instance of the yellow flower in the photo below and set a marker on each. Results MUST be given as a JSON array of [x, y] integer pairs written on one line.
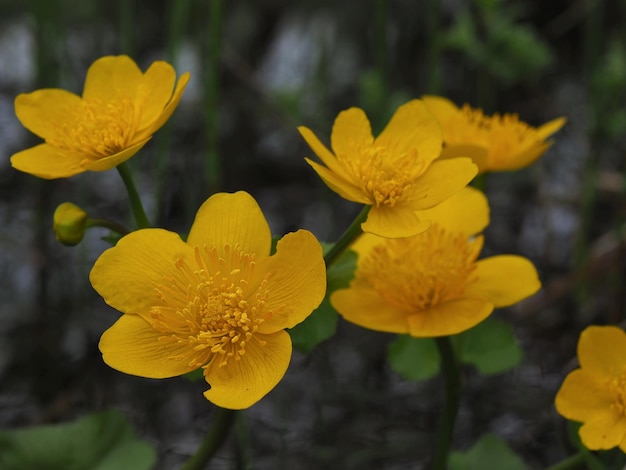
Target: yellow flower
[[394, 173], [495, 143], [120, 109], [69, 223], [595, 394], [431, 284], [218, 302]]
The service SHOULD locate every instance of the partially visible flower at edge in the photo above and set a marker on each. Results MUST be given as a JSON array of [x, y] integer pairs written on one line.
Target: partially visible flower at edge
[[120, 109], [218, 302], [431, 284], [595, 394], [69, 223], [395, 173], [496, 143]]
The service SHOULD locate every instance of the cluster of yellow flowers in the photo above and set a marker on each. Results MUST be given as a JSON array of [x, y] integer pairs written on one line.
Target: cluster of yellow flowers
[[220, 302]]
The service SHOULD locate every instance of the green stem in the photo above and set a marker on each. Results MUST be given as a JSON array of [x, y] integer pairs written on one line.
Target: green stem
[[213, 167], [133, 196], [570, 463], [351, 234], [222, 422], [106, 223], [453, 390]]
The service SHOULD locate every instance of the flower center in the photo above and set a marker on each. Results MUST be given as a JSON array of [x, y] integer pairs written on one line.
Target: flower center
[[420, 272], [383, 175], [98, 129], [618, 389], [214, 307]]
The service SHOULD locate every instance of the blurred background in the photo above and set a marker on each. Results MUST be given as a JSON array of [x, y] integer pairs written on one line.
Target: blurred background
[[259, 69]]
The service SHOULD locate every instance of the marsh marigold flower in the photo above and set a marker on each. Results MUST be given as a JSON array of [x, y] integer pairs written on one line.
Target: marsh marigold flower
[[218, 302], [496, 143], [595, 394], [120, 109], [395, 173], [432, 284]]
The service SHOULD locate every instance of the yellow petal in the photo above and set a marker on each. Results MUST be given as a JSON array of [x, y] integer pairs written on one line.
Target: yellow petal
[[241, 383], [449, 318], [521, 160], [110, 77], [154, 92], [48, 162], [125, 275], [549, 128], [322, 152], [504, 280], [107, 163], [466, 212], [366, 308], [478, 154], [441, 180], [582, 396], [602, 351], [442, 108], [42, 111], [132, 346], [412, 126], [345, 188], [394, 222], [604, 431], [298, 280], [233, 219], [351, 133], [169, 108]]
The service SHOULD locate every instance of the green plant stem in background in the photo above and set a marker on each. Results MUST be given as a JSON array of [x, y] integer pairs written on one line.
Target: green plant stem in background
[[222, 421], [351, 234], [127, 27], [450, 366], [575, 461], [213, 167], [133, 196], [106, 223]]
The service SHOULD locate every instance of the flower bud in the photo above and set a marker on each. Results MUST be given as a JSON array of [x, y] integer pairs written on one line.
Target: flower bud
[[69, 223]]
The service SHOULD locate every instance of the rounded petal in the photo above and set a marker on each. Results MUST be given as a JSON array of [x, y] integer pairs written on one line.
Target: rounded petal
[[351, 132], [412, 126], [442, 108], [107, 163], [504, 280], [297, 282], [582, 396], [132, 346], [110, 76], [441, 180], [365, 307], [233, 219], [241, 383], [604, 431], [478, 154], [394, 222], [48, 162], [602, 351], [322, 152], [41, 111], [549, 128], [125, 275], [169, 109], [337, 183], [521, 160], [155, 91], [449, 318], [466, 211]]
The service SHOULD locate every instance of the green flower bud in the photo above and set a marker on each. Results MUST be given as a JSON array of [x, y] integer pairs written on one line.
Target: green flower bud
[[69, 223]]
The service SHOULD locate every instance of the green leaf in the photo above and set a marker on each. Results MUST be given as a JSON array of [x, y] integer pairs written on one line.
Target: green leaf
[[100, 441], [322, 323], [414, 358], [490, 346], [489, 453]]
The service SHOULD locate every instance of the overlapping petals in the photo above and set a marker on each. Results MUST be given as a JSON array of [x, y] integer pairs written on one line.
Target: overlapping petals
[[120, 109], [495, 143], [395, 173], [218, 301], [432, 284], [595, 394]]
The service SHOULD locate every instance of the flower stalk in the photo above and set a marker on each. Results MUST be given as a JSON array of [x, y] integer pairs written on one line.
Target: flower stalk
[[135, 201], [350, 235], [220, 427]]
